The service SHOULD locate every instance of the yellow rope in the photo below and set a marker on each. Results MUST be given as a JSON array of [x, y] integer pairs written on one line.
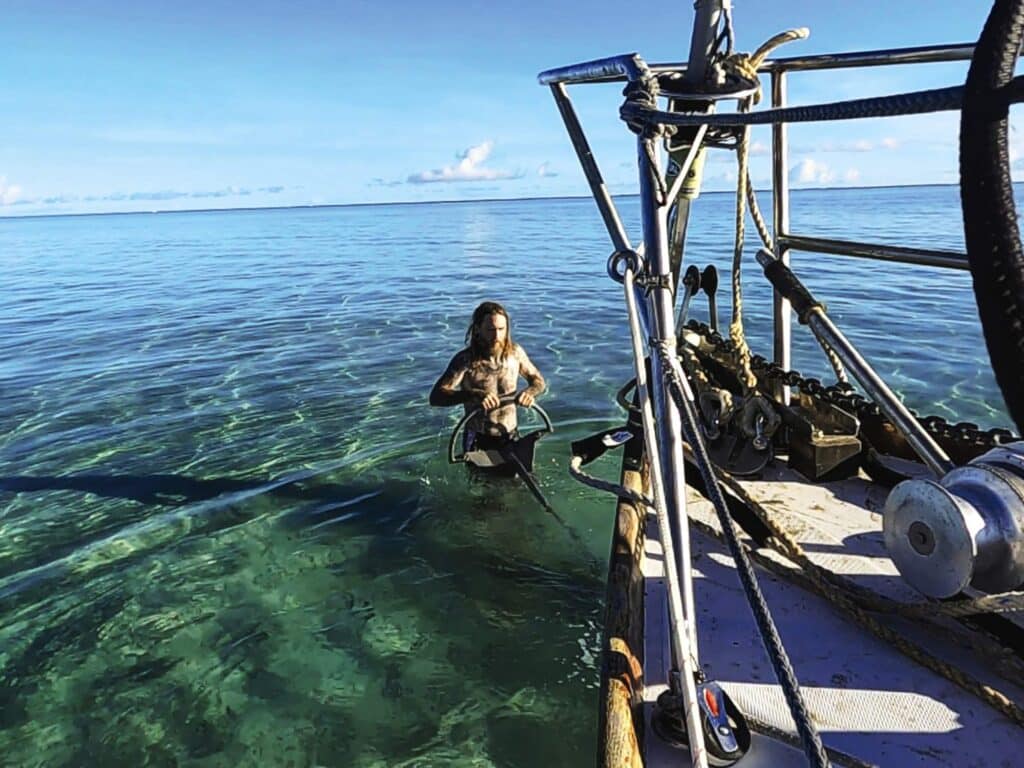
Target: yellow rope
[[989, 695], [747, 377], [831, 585], [745, 67], [755, 214]]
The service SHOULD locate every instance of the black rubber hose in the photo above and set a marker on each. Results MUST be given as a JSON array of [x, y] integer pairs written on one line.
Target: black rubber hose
[[986, 195], [790, 287], [913, 103]]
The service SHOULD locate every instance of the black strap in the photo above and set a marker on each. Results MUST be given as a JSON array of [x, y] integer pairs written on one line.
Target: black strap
[[590, 448]]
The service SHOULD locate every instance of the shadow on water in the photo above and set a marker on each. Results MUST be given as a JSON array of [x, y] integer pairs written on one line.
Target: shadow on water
[[172, 490], [312, 509], [383, 614], [197, 508]]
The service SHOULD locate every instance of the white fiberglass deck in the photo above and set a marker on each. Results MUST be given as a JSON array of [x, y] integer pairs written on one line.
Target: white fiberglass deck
[[867, 699]]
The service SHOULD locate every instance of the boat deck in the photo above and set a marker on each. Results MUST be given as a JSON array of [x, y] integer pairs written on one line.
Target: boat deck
[[868, 699]]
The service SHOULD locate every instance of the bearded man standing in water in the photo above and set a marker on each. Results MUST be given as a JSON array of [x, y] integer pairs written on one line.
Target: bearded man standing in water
[[481, 374]]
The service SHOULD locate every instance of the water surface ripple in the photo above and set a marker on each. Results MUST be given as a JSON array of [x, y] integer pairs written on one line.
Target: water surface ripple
[[228, 532]]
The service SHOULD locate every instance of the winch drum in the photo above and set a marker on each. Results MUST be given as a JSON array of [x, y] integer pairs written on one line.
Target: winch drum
[[967, 529]]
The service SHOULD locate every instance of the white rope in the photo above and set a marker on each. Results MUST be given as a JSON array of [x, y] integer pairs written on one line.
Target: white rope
[[603, 485]]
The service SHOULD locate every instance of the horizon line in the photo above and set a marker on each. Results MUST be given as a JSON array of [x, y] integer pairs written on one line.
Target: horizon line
[[307, 206]]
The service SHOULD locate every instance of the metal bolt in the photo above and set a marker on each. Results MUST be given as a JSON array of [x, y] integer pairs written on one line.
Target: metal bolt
[[921, 537]]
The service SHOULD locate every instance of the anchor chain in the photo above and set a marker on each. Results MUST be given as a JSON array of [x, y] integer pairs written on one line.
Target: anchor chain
[[965, 435]]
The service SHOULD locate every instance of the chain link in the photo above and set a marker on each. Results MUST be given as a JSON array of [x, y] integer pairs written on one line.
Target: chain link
[[964, 434]]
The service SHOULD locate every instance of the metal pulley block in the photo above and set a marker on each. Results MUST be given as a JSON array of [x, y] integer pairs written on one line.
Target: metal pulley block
[[759, 420], [740, 432], [966, 529], [716, 409], [725, 729]]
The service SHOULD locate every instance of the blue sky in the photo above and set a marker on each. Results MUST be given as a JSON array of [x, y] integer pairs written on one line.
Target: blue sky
[[171, 105]]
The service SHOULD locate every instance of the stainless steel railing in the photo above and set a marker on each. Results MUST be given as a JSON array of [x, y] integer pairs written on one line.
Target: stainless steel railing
[[630, 67], [786, 241]]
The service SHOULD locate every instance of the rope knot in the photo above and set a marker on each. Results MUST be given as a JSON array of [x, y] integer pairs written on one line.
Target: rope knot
[[643, 93], [743, 67]]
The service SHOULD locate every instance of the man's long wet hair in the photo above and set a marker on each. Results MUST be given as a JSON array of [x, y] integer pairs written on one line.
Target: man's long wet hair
[[476, 346]]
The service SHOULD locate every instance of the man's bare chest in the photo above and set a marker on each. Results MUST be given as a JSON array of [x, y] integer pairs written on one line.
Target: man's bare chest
[[492, 376]]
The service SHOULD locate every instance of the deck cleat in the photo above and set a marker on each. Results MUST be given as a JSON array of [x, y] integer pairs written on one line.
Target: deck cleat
[[709, 284], [965, 530], [691, 284]]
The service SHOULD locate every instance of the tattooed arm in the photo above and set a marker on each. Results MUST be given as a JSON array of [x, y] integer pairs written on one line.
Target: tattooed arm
[[447, 391], [533, 378]]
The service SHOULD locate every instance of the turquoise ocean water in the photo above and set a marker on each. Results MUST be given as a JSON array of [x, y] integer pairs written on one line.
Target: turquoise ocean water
[[228, 532]]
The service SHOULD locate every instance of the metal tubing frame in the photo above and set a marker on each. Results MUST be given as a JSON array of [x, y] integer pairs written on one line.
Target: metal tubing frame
[[657, 314], [631, 66], [602, 197], [656, 308], [684, 656], [608, 70], [669, 433], [615, 68], [660, 324], [921, 256], [782, 316]]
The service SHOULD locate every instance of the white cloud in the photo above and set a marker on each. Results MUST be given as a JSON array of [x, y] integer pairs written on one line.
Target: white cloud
[[143, 196], [1015, 147], [719, 181], [814, 172], [545, 170], [857, 145], [467, 169], [9, 193], [758, 148], [811, 171]]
